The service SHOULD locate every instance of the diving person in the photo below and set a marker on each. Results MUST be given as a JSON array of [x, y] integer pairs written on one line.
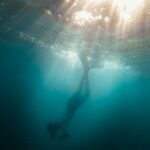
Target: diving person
[[57, 130]]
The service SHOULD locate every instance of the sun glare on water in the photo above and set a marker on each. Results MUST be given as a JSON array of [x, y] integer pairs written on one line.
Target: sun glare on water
[[92, 12], [82, 18], [128, 9]]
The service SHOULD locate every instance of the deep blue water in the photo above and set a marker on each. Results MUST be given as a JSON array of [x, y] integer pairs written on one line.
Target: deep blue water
[[35, 89]]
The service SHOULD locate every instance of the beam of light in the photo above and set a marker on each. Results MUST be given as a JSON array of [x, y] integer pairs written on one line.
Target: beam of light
[[125, 16], [114, 65], [70, 57], [82, 18], [127, 4], [94, 12], [128, 10], [88, 2], [111, 65]]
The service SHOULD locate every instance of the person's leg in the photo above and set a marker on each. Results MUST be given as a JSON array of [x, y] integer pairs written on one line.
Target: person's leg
[[77, 99], [74, 103]]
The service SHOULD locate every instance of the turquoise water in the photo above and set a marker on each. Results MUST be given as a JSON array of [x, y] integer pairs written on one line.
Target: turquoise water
[[40, 70], [35, 90]]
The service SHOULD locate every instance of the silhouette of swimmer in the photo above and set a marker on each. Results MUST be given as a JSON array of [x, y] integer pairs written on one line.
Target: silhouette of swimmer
[[76, 101], [57, 130]]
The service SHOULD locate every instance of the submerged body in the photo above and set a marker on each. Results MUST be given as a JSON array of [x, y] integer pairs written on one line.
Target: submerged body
[[58, 129]]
